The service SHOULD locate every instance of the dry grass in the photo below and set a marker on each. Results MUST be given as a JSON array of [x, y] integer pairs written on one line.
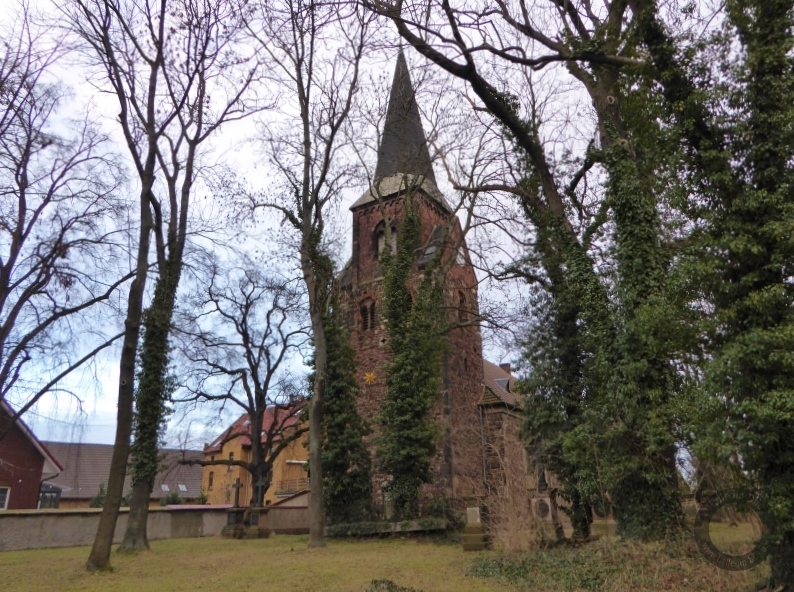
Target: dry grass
[[608, 565], [284, 564], [281, 563]]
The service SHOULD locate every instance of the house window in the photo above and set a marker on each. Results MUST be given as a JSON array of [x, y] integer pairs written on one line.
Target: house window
[[165, 488], [212, 479], [48, 500], [5, 493], [182, 487], [230, 467], [212, 458], [368, 315]]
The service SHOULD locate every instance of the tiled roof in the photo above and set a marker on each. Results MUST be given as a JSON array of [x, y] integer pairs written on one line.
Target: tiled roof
[[495, 380], [283, 418], [86, 466]]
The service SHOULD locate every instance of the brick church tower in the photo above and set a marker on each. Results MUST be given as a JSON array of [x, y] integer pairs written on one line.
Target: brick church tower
[[404, 167]]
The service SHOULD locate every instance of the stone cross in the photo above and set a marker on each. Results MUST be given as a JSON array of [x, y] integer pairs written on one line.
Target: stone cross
[[237, 485], [259, 490]]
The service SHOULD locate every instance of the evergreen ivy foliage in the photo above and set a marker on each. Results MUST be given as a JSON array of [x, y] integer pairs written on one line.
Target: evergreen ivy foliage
[[407, 442], [154, 386], [749, 259], [347, 474], [730, 97], [603, 385]]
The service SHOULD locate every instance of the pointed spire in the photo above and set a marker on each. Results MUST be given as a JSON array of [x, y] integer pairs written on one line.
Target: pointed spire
[[403, 147]]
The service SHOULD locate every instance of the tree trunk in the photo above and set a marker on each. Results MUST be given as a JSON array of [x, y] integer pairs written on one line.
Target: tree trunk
[[150, 403], [781, 563], [317, 270], [559, 531], [581, 517], [99, 557], [135, 537], [316, 508]]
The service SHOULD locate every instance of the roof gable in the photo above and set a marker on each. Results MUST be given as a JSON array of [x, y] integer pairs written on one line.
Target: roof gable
[[499, 387], [284, 418], [51, 465]]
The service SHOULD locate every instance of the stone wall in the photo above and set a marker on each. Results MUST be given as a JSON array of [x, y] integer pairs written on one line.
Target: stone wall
[[288, 519], [37, 529]]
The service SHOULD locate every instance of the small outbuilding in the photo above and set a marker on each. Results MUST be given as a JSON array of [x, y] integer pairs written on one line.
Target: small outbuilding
[[25, 463]]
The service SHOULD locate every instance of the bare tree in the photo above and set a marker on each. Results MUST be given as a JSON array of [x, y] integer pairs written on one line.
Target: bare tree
[[238, 336], [59, 238], [178, 73], [315, 52]]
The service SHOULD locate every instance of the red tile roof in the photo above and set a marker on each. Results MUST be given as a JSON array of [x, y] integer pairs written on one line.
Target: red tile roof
[[277, 418], [495, 392]]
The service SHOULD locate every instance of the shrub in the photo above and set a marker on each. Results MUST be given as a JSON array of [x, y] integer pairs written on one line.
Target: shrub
[[171, 499]]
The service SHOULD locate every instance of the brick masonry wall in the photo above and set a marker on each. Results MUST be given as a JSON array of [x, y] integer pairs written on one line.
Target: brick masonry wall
[[457, 464], [20, 468]]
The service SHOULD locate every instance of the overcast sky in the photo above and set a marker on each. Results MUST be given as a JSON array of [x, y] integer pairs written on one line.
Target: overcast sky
[[61, 417]]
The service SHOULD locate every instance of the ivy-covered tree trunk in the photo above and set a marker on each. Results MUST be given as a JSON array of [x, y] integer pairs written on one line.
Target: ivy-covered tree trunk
[[557, 385], [646, 497], [742, 169], [150, 405], [755, 299], [318, 274], [346, 459]]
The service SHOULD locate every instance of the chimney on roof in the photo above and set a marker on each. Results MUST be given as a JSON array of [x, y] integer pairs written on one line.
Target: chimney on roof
[[505, 367]]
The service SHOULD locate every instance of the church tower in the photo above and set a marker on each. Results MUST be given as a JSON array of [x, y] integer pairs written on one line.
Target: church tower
[[404, 167]]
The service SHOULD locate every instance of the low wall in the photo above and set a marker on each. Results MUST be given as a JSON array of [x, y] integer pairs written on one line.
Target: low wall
[[288, 519], [37, 529]]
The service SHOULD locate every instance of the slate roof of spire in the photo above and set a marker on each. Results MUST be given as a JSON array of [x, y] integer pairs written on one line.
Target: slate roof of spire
[[403, 146], [403, 157]]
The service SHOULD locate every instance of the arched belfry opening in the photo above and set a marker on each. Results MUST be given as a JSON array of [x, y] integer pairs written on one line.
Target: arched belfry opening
[[382, 239], [367, 314]]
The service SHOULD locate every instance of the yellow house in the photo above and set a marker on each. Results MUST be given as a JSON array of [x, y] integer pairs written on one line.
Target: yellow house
[[289, 467]]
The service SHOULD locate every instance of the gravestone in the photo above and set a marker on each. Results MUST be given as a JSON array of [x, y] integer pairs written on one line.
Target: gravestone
[[245, 523], [473, 534]]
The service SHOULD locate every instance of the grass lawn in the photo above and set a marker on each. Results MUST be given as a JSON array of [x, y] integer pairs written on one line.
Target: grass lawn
[[284, 564], [281, 563]]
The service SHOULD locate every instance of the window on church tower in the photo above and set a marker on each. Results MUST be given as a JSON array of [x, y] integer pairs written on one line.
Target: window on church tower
[[460, 259], [368, 319], [462, 312], [380, 234]]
